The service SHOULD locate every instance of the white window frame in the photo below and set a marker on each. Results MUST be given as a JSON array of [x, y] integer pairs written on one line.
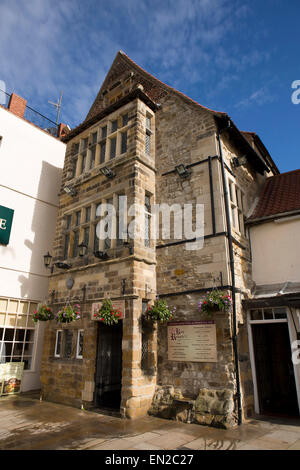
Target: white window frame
[[56, 342], [79, 356]]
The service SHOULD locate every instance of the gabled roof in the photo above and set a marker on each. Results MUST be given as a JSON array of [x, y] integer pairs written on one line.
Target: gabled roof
[[155, 90], [280, 195]]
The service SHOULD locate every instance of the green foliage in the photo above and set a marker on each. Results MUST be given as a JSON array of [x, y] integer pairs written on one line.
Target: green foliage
[[159, 312], [215, 301], [107, 313], [43, 313], [68, 313]]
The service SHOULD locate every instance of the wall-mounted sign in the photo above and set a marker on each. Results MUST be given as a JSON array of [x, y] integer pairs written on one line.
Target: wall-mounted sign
[[10, 377], [192, 341], [118, 304], [6, 217]]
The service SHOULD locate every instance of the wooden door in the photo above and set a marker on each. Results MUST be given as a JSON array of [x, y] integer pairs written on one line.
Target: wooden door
[[109, 366], [274, 369]]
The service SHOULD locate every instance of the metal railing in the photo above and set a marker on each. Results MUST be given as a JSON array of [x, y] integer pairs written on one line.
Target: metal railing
[[32, 116]]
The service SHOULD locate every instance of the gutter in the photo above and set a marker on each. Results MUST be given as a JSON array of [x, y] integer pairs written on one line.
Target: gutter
[[231, 257]]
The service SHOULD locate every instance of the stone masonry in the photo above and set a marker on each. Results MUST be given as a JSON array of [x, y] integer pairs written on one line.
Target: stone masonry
[[181, 132]]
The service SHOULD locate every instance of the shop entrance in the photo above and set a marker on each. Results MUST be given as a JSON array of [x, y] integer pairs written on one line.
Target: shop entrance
[[109, 367], [274, 369]]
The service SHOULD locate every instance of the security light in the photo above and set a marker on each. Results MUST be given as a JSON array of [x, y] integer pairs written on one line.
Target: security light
[[182, 171], [61, 265], [107, 172], [70, 190], [101, 255], [239, 161]]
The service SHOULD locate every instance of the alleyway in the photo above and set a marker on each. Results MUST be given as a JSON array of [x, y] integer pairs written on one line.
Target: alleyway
[[26, 423]]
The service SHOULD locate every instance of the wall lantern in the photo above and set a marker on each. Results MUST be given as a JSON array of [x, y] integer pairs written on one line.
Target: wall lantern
[[182, 171], [82, 249], [239, 161], [107, 172], [70, 190], [47, 260]]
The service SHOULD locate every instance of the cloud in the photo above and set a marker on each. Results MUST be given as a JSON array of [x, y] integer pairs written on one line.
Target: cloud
[[259, 97], [70, 45]]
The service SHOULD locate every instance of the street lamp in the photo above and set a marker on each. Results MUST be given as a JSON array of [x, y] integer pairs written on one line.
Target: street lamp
[[82, 249], [47, 260]]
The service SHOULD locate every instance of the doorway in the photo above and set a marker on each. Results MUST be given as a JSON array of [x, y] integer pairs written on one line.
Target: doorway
[[108, 379], [275, 378]]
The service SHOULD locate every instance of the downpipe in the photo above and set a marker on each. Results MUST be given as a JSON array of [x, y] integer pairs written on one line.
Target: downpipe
[[231, 258]]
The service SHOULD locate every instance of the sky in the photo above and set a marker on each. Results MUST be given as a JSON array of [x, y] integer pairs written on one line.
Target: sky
[[236, 56]]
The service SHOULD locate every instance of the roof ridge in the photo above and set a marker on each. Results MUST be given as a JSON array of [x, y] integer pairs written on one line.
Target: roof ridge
[[168, 86]]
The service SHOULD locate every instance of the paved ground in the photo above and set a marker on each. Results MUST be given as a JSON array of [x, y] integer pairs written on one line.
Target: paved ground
[[28, 424]]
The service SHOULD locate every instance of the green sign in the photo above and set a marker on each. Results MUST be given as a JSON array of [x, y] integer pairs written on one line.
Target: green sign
[[6, 217]]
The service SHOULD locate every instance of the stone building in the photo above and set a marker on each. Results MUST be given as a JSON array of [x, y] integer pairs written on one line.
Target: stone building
[[145, 140]]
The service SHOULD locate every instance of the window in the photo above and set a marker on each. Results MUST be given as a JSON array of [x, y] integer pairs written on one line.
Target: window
[[87, 214], [104, 132], [68, 221], [66, 245], [236, 205], [113, 145], [17, 331], [79, 348], [147, 144], [146, 338], [147, 220], [124, 142], [85, 143], [93, 156], [114, 125], [96, 239], [120, 220], [107, 241], [58, 340], [148, 135], [261, 314], [102, 152], [68, 339], [75, 244], [76, 148], [77, 218], [94, 138], [124, 120], [83, 162], [86, 236]]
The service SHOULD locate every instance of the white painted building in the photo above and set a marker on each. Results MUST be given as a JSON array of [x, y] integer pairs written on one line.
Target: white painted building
[[274, 310], [31, 162]]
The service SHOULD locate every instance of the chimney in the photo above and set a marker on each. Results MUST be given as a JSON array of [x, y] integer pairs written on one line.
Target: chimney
[[17, 105], [63, 129]]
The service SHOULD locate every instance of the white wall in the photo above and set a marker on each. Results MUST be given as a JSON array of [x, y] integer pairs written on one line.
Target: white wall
[[31, 163], [275, 252]]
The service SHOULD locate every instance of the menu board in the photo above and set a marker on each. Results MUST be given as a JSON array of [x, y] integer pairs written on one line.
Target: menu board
[[192, 341], [10, 377]]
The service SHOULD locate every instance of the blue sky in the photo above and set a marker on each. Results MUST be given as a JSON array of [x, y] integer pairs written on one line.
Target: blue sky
[[236, 56]]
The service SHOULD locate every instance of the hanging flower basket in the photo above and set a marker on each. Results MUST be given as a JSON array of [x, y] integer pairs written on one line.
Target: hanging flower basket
[[107, 313], [68, 313], [43, 313], [215, 301], [159, 312]]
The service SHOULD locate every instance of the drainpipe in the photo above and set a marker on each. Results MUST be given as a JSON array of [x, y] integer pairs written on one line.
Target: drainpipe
[[231, 258]]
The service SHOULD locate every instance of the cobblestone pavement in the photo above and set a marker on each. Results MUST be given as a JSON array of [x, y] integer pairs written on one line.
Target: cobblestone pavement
[[29, 424]]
